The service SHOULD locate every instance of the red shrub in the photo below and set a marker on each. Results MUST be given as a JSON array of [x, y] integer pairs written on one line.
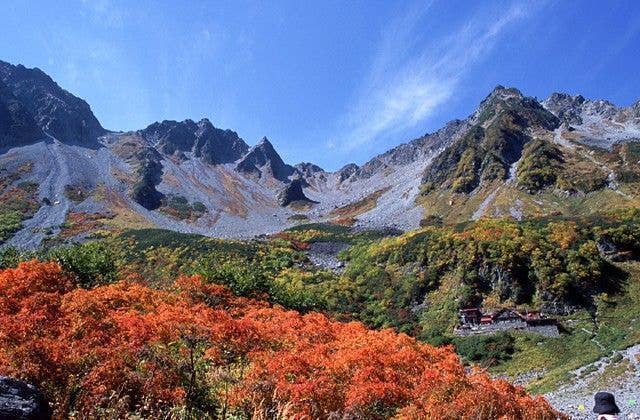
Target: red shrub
[[125, 347]]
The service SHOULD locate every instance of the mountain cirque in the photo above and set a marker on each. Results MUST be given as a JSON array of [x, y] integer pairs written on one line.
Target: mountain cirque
[[514, 156]]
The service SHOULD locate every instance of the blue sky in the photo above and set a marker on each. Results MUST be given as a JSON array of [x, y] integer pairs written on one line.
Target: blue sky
[[327, 81]]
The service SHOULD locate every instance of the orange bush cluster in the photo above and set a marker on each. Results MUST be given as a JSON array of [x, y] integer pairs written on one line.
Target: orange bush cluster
[[127, 348]]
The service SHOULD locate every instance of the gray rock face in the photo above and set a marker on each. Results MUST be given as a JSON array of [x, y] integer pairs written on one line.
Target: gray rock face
[[150, 175], [213, 145], [576, 110], [325, 254], [17, 126], [636, 110], [597, 123], [608, 250], [263, 158], [19, 400], [602, 108], [62, 115], [292, 192], [566, 107], [347, 171], [307, 169]]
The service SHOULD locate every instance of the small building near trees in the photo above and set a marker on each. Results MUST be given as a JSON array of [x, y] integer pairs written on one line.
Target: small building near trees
[[474, 321]]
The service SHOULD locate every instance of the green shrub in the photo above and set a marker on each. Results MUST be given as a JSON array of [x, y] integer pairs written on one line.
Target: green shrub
[[465, 176], [10, 257], [199, 207], [10, 222], [539, 165], [487, 350], [179, 207], [92, 263]]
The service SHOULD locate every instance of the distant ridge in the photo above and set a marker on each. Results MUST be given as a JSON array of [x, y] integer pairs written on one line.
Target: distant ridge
[[514, 156]]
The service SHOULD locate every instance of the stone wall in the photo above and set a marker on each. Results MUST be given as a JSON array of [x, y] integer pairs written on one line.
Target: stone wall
[[545, 330]]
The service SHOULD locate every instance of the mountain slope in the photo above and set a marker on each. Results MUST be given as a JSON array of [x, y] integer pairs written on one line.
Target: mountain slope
[[522, 158], [55, 110], [513, 157], [503, 125], [598, 122], [17, 126]]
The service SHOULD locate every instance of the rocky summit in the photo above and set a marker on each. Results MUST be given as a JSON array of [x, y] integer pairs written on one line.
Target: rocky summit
[[262, 159], [55, 111], [201, 140]]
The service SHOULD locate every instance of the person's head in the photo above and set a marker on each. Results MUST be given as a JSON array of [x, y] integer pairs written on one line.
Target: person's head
[[605, 403]]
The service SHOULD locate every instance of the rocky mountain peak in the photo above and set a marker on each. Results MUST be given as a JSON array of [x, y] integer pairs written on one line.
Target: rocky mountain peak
[[202, 139], [562, 104], [594, 117], [500, 94], [263, 157], [522, 110], [561, 99], [266, 149], [601, 108], [264, 142], [56, 111], [347, 171], [497, 133], [19, 72], [504, 93], [566, 107], [308, 169]]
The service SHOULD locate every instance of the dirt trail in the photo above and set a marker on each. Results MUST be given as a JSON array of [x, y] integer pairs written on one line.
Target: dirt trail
[[618, 373]]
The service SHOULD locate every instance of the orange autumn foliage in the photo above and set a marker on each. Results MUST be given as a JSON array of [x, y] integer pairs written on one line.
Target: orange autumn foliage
[[127, 348]]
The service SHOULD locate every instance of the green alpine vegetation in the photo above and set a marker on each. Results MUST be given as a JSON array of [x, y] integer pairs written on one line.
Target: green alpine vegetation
[[414, 282]]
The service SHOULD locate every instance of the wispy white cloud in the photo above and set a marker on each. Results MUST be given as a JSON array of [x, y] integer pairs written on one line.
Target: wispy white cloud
[[412, 75]]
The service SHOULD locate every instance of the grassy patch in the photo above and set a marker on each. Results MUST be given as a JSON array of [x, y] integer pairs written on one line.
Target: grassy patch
[[17, 204], [298, 218], [78, 223], [179, 207], [331, 232], [361, 206]]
